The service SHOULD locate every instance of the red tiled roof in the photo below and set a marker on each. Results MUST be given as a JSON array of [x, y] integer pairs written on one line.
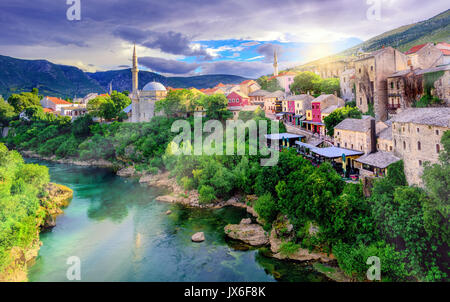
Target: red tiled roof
[[220, 85], [48, 110], [443, 44], [415, 49], [104, 95], [246, 82], [58, 101], [446, 52]]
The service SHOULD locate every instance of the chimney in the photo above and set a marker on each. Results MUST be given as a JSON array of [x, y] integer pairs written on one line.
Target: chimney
[[373, 136]]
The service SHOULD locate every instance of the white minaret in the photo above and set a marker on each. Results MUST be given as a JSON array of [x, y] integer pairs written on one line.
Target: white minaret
[[275, 63], [134, 71]]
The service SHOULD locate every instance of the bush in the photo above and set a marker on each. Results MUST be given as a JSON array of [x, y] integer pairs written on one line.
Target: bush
[[206, 194], [353, 260], [266, 208], [289, 248]]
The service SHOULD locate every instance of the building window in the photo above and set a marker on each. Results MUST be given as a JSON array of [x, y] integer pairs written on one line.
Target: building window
[[395, 142], [390, 148], [438, 148], [404, 145], [360, 101], [392, 85], [420, 162], [419, 147], [371, 68], [418, 130], [437, 132]]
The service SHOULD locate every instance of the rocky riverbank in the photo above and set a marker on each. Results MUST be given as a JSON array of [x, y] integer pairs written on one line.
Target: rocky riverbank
[[51, 205], [101, 163]]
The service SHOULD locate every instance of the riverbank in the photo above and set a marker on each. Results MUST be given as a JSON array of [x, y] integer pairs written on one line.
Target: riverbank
[[191, 199], [248, 232], [51, 205]]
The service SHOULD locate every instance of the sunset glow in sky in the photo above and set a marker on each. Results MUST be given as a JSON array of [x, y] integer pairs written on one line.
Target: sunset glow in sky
[[180, 37]]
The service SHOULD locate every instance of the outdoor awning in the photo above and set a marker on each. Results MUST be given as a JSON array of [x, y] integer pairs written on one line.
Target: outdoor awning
[[335, 152], [301, 144], [378, 159], [314, 123], [280, 136]]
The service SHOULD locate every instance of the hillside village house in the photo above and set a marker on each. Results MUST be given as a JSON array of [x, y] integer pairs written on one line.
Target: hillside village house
[[441, 87], [54, 104], [295, 106], [237, 99], [322, 103], [347, 83], [416, 134], [248, 86], [445, 49], [384, 138], [397, 97], [272, 102], [285, 80], [74, 112], [371, 73], [356, 134], [424, 56], [257, 97]]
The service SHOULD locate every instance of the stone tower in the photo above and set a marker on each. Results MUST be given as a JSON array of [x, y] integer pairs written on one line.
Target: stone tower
[[134, 71], [275, 63]]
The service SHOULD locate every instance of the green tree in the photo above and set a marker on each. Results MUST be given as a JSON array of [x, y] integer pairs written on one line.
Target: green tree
[[306, 81], [338, 116], [330, 86], [216, 107], [22, 101], [6, 113]]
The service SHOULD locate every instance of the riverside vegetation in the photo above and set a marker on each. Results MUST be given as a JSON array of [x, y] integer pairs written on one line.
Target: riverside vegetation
[[406, 227], [28, 203]]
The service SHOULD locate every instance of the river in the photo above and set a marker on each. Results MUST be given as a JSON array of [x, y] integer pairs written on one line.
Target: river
[[120, 233]]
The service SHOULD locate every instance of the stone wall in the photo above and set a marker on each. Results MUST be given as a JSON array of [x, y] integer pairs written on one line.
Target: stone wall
[[416, 144]]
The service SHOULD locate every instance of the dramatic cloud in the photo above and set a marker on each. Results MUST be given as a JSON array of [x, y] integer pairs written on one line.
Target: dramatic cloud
[[267, 50], [168, 66], [168, 42], [171, 30]]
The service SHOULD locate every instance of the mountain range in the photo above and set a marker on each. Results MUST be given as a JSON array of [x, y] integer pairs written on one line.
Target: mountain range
[[17, 75]]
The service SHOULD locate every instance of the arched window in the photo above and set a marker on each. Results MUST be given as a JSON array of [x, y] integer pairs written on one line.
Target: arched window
[[419, 147], [438, 148]]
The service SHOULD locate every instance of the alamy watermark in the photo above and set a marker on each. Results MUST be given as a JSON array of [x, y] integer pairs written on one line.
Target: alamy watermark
[[374, 271], [235, 137], [73, 273], [74, 11]]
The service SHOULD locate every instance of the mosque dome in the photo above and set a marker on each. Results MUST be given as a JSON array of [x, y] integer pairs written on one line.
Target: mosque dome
[[154, 86]]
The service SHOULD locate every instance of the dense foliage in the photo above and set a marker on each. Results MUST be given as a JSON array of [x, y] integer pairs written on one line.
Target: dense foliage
[[108, 107], [21, 186], [338, 116]]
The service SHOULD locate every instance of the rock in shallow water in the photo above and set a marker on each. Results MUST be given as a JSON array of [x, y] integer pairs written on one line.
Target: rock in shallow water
[[246, 221], [168, 212], [198, 237], [252, 234]]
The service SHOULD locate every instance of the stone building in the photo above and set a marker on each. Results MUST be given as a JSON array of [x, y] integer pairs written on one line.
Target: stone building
[[397, 97], [356, 134], [416, 134], [347, 83], [424, 56], [143, 101], [441, 87], [384, 136], [371, 73]]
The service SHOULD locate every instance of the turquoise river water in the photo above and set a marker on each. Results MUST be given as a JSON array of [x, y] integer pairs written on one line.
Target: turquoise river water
[[120, 233]]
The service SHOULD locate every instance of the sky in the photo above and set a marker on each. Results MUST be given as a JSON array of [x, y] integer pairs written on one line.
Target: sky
[[195, 37]]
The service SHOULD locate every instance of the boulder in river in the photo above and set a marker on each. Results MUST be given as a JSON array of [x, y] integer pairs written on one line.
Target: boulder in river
[[126, 172], [252, 234], [168, 212], [246, 221], [167, 198], [198, 237]]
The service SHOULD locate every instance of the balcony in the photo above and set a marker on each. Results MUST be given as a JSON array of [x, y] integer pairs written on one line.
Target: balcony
[[393, 106]]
